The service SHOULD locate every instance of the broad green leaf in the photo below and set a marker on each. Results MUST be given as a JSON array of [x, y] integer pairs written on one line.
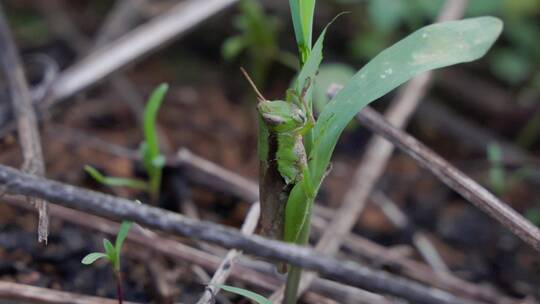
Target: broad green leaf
[[122, 234], [115, 181], [386, 15], [92, 257], [431, 47], [245, 293]]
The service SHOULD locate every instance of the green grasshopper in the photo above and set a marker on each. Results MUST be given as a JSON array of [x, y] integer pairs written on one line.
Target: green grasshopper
[[282, 125]]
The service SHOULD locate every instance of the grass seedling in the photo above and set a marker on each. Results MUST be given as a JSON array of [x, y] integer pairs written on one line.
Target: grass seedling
[[116, 181], [295, 151], [153, 160], [497, 173], [258, 38], [500, 180], [112, 255], [255, 297]]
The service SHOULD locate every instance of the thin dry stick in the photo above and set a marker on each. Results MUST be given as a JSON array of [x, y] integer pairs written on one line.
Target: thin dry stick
[[214, 176], [224, 269], [454, 178], [120, 18], [133, 45], [383, 257], [374, 161], [27, 126], [207, 173], [243, 271], [19, 292], [17, 182]]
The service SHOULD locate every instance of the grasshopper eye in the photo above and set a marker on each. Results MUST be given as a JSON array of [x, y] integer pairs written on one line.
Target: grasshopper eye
[[274, 120], [300, 116]]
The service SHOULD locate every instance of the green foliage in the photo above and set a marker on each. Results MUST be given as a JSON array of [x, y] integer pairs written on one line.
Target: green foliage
[[533, 215], [112, 252], [302, 12], [387, 17], [497, 174], [431, 47], [500, 181], [153, 160], [92, 257], [29, 27], [258, 37], [257, 298], [116, 181]]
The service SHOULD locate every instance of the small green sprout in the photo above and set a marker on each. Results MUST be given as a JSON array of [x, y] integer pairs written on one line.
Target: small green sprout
[[116, 181], [500, 180], [153, 160], [112, 255], [497, 173], [258, 38], [257, 298]]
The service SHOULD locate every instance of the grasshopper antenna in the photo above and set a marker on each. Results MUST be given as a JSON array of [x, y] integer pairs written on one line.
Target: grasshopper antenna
[[261, 97]]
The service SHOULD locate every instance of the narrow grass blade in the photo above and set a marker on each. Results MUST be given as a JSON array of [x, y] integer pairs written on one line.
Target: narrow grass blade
[[116, 181], [122, 234], [302, 12], [245, 293], [150, 116], [92, 257]]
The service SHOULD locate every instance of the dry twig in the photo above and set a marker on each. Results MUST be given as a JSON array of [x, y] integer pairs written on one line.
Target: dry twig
[[454, 178], [27, 126], [224, 269], [20, 292], [133, 45], [17, 182], [205, 172], [260, 274]]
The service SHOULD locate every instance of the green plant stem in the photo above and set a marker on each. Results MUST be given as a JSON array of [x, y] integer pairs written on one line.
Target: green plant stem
[[295, 272], [119, 289]]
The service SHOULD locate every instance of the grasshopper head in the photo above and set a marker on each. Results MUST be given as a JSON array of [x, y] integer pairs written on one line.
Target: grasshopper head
[[282, 116]]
